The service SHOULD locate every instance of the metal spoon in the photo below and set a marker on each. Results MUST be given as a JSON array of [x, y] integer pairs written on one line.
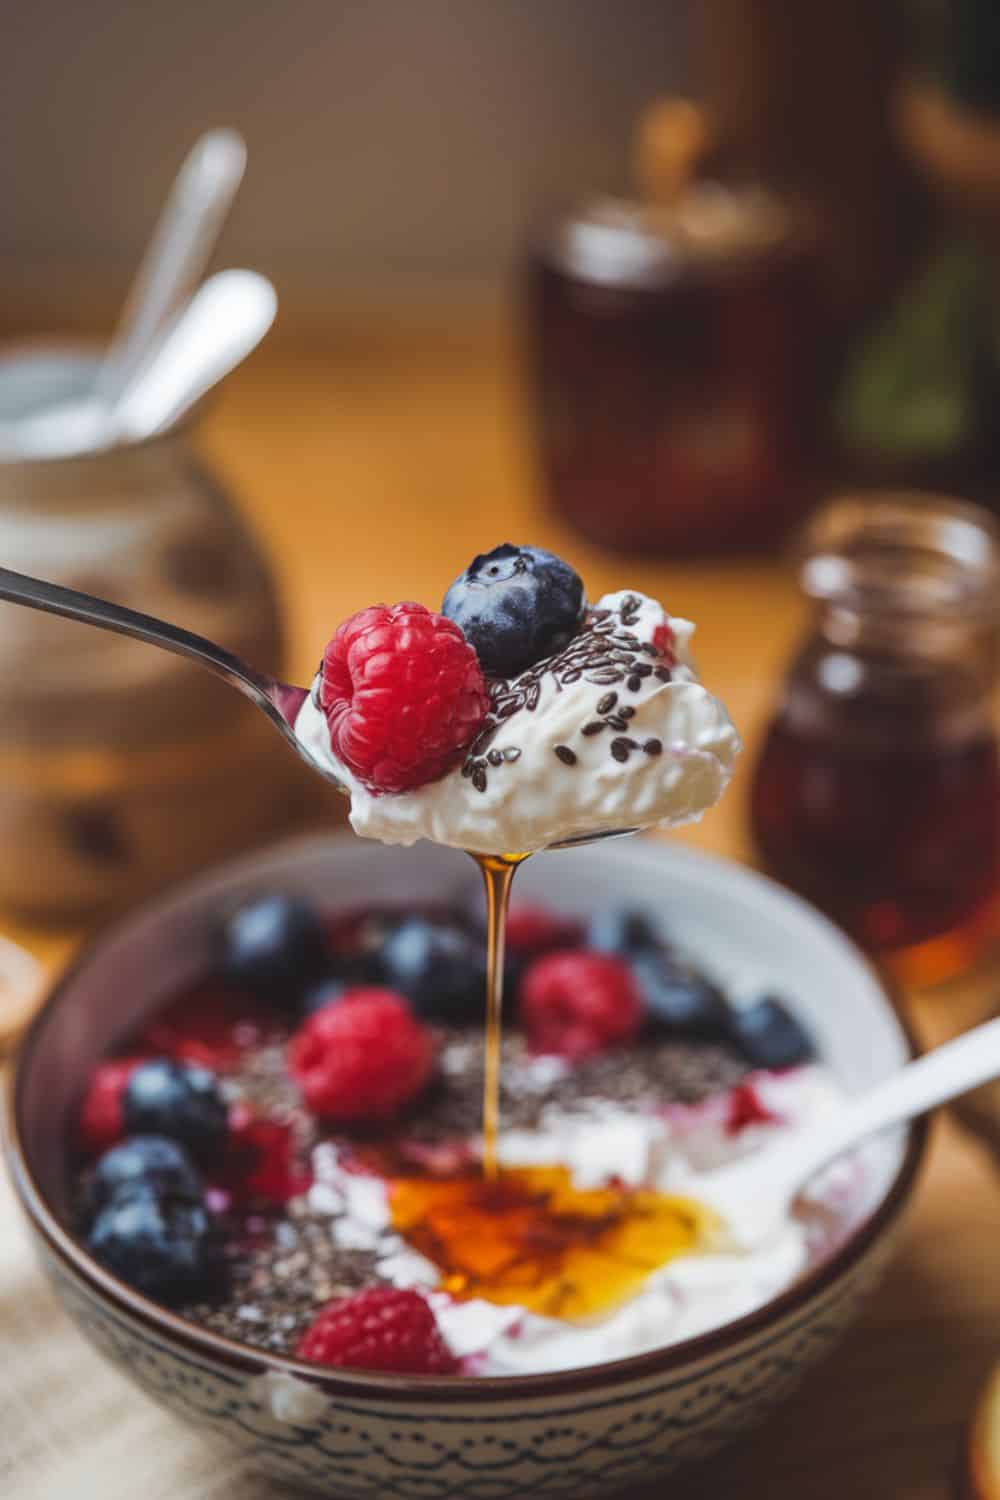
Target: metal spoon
[[751, 1196], [226, 318], [179, 252], [279, 701]]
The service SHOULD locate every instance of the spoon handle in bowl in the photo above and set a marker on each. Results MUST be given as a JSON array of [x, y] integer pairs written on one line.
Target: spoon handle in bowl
[[941, 1075]]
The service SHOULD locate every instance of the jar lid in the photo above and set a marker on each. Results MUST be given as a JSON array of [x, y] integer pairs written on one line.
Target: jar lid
[[625, 242], [925, 556]]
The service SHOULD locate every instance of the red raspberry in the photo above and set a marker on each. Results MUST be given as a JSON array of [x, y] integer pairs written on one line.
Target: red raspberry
[[362, 1057], [665, 641], [404, 696], [101, 1123], [534, 929], [577, 1004], [260, 1160], [382, 1328], [745, 1107]]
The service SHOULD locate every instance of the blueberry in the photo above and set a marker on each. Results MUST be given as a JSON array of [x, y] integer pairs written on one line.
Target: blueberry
[[273, 947], [516, 605], [440, 966], [769, 1036], [325, 993], [179, 1100], [679, 1000], [623, 930], [163, 1245], [151, 1161]]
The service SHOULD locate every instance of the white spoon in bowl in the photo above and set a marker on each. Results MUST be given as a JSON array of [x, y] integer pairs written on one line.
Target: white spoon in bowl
[[753, 1194]]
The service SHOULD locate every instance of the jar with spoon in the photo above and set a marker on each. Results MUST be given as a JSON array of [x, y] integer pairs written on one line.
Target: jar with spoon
[[121, 768]]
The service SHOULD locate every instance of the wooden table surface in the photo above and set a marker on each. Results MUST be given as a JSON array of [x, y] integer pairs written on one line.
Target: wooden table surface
[[375, 470]]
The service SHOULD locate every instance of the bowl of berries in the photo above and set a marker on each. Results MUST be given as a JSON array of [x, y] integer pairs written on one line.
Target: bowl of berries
[[248, 1133]]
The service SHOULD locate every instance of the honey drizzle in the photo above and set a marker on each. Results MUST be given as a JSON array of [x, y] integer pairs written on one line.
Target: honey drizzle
[[531, 1238], [498, 873]]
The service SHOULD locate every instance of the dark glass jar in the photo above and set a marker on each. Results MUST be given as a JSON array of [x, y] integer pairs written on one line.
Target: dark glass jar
[[877, 791], [676, 360]]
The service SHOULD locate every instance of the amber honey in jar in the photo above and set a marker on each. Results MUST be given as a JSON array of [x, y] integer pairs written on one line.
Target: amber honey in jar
[[675, 358], [877, 792]]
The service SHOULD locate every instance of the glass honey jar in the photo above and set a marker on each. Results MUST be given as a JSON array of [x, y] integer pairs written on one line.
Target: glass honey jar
[[877, 790]]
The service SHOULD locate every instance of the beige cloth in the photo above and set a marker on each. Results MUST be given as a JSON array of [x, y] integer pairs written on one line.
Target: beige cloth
[[71, 1427]]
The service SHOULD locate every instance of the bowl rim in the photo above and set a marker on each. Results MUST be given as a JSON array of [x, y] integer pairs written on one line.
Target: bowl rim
[[457, 1389]]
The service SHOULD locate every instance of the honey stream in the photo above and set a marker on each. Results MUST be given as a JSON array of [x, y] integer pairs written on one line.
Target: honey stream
[[528, 1235], [498, 874]]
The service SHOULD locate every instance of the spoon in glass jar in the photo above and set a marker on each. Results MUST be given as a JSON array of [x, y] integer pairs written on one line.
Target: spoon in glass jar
[[280, 702]]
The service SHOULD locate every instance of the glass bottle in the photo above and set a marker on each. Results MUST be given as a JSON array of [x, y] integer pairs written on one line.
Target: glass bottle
[[674, 354], [877, 791]]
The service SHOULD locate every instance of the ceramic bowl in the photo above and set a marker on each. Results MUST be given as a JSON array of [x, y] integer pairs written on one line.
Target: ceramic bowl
[[582, 1432]]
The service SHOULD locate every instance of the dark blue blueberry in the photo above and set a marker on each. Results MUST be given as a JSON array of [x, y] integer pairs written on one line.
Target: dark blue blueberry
[[623, 930], [769, 1036], [151, 1161], [274, 947], [179, 1100], [325, 993], [516, 605], [439, 966], [680, 1001], [166, 1247]]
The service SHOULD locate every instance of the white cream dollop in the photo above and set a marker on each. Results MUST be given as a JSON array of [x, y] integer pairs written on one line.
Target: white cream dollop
[[677, 756]]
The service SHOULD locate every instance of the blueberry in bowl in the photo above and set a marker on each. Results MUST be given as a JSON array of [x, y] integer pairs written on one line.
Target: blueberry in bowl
[[179, 1100], [145, 1161], [274, 947]]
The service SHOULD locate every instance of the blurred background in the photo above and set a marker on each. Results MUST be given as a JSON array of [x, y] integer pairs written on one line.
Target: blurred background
[[397, 150], [701, 294], [652, 284]]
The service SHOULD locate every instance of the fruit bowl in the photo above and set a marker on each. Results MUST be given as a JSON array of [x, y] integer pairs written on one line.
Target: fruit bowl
[[581, 1432]]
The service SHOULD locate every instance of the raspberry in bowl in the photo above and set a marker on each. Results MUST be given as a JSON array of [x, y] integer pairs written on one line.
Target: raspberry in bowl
[[646, 1112]]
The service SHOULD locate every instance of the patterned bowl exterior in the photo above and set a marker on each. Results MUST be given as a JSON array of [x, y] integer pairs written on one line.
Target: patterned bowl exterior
[[587, 1444], [353, 1436]]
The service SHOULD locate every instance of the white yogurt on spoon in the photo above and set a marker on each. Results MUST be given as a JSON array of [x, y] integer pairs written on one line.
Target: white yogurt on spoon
[[661, 753]]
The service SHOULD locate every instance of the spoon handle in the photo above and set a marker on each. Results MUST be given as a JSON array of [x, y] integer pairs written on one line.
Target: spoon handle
[[943, 1074], [53, 599], [181, 247]]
